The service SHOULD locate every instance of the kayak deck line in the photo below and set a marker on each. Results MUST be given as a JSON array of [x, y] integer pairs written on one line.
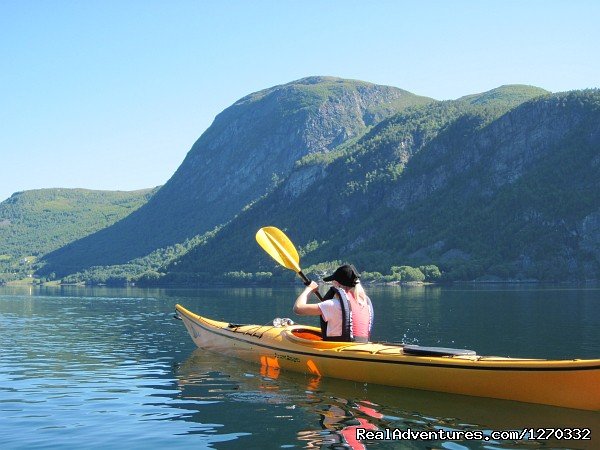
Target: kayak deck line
[[566, 383]]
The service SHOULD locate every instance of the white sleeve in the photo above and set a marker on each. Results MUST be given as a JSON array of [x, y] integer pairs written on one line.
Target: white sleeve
[[327, 309]]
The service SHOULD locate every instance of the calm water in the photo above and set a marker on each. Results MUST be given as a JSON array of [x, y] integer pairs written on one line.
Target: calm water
[[104, 367]]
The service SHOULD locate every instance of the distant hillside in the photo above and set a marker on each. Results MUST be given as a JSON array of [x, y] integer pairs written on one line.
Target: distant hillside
[[489, 186], [249, 148], [33, 223]]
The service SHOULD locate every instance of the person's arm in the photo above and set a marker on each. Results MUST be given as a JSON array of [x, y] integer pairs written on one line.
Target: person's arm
[[301, 306]]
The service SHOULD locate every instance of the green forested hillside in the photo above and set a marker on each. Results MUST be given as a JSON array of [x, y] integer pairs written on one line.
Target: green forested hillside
[[33, 223]]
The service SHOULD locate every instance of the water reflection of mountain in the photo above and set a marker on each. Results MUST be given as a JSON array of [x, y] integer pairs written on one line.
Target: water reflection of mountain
[[289, 409]]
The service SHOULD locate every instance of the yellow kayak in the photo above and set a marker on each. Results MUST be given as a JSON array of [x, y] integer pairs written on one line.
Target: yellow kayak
[[565, 383]]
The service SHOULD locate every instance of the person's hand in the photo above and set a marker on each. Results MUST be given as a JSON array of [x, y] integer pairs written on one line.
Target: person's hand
[[313, 286]]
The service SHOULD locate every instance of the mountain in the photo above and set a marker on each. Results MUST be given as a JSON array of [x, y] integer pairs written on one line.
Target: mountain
[[33, 223], [499, 185], [243, 155]]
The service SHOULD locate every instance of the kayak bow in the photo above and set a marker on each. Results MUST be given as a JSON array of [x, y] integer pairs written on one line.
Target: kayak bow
[[566, 383]]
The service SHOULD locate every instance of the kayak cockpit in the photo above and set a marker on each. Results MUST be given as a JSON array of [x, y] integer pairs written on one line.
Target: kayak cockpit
[[307, 333], [309, 337]]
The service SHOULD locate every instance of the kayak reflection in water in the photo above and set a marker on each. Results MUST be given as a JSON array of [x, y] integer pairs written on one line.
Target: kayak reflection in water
[[346, 311], [341, 419]]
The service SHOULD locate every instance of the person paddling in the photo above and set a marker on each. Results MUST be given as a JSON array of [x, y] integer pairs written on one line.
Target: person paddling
[[346, 310]]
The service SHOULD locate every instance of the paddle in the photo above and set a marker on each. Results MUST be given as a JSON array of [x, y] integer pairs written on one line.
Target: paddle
[[281, 249]]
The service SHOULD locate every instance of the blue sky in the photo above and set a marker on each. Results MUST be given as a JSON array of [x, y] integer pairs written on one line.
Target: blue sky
[[112, 94]]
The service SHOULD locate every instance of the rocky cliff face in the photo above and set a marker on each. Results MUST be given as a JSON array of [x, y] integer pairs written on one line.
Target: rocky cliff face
[[499, 153], [526, 185], [261, 136], [250, 146]]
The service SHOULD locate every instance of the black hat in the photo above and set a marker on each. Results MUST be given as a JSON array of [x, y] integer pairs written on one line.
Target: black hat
[[346, 275]]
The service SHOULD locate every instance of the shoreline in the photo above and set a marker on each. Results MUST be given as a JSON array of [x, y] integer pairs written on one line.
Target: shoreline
[[56, 284]]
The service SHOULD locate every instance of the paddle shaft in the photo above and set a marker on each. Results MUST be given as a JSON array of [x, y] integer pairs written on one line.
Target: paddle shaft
[[306, 282]]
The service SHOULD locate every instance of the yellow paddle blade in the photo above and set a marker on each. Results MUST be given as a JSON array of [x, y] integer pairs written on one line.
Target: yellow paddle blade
[[278, 245]]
